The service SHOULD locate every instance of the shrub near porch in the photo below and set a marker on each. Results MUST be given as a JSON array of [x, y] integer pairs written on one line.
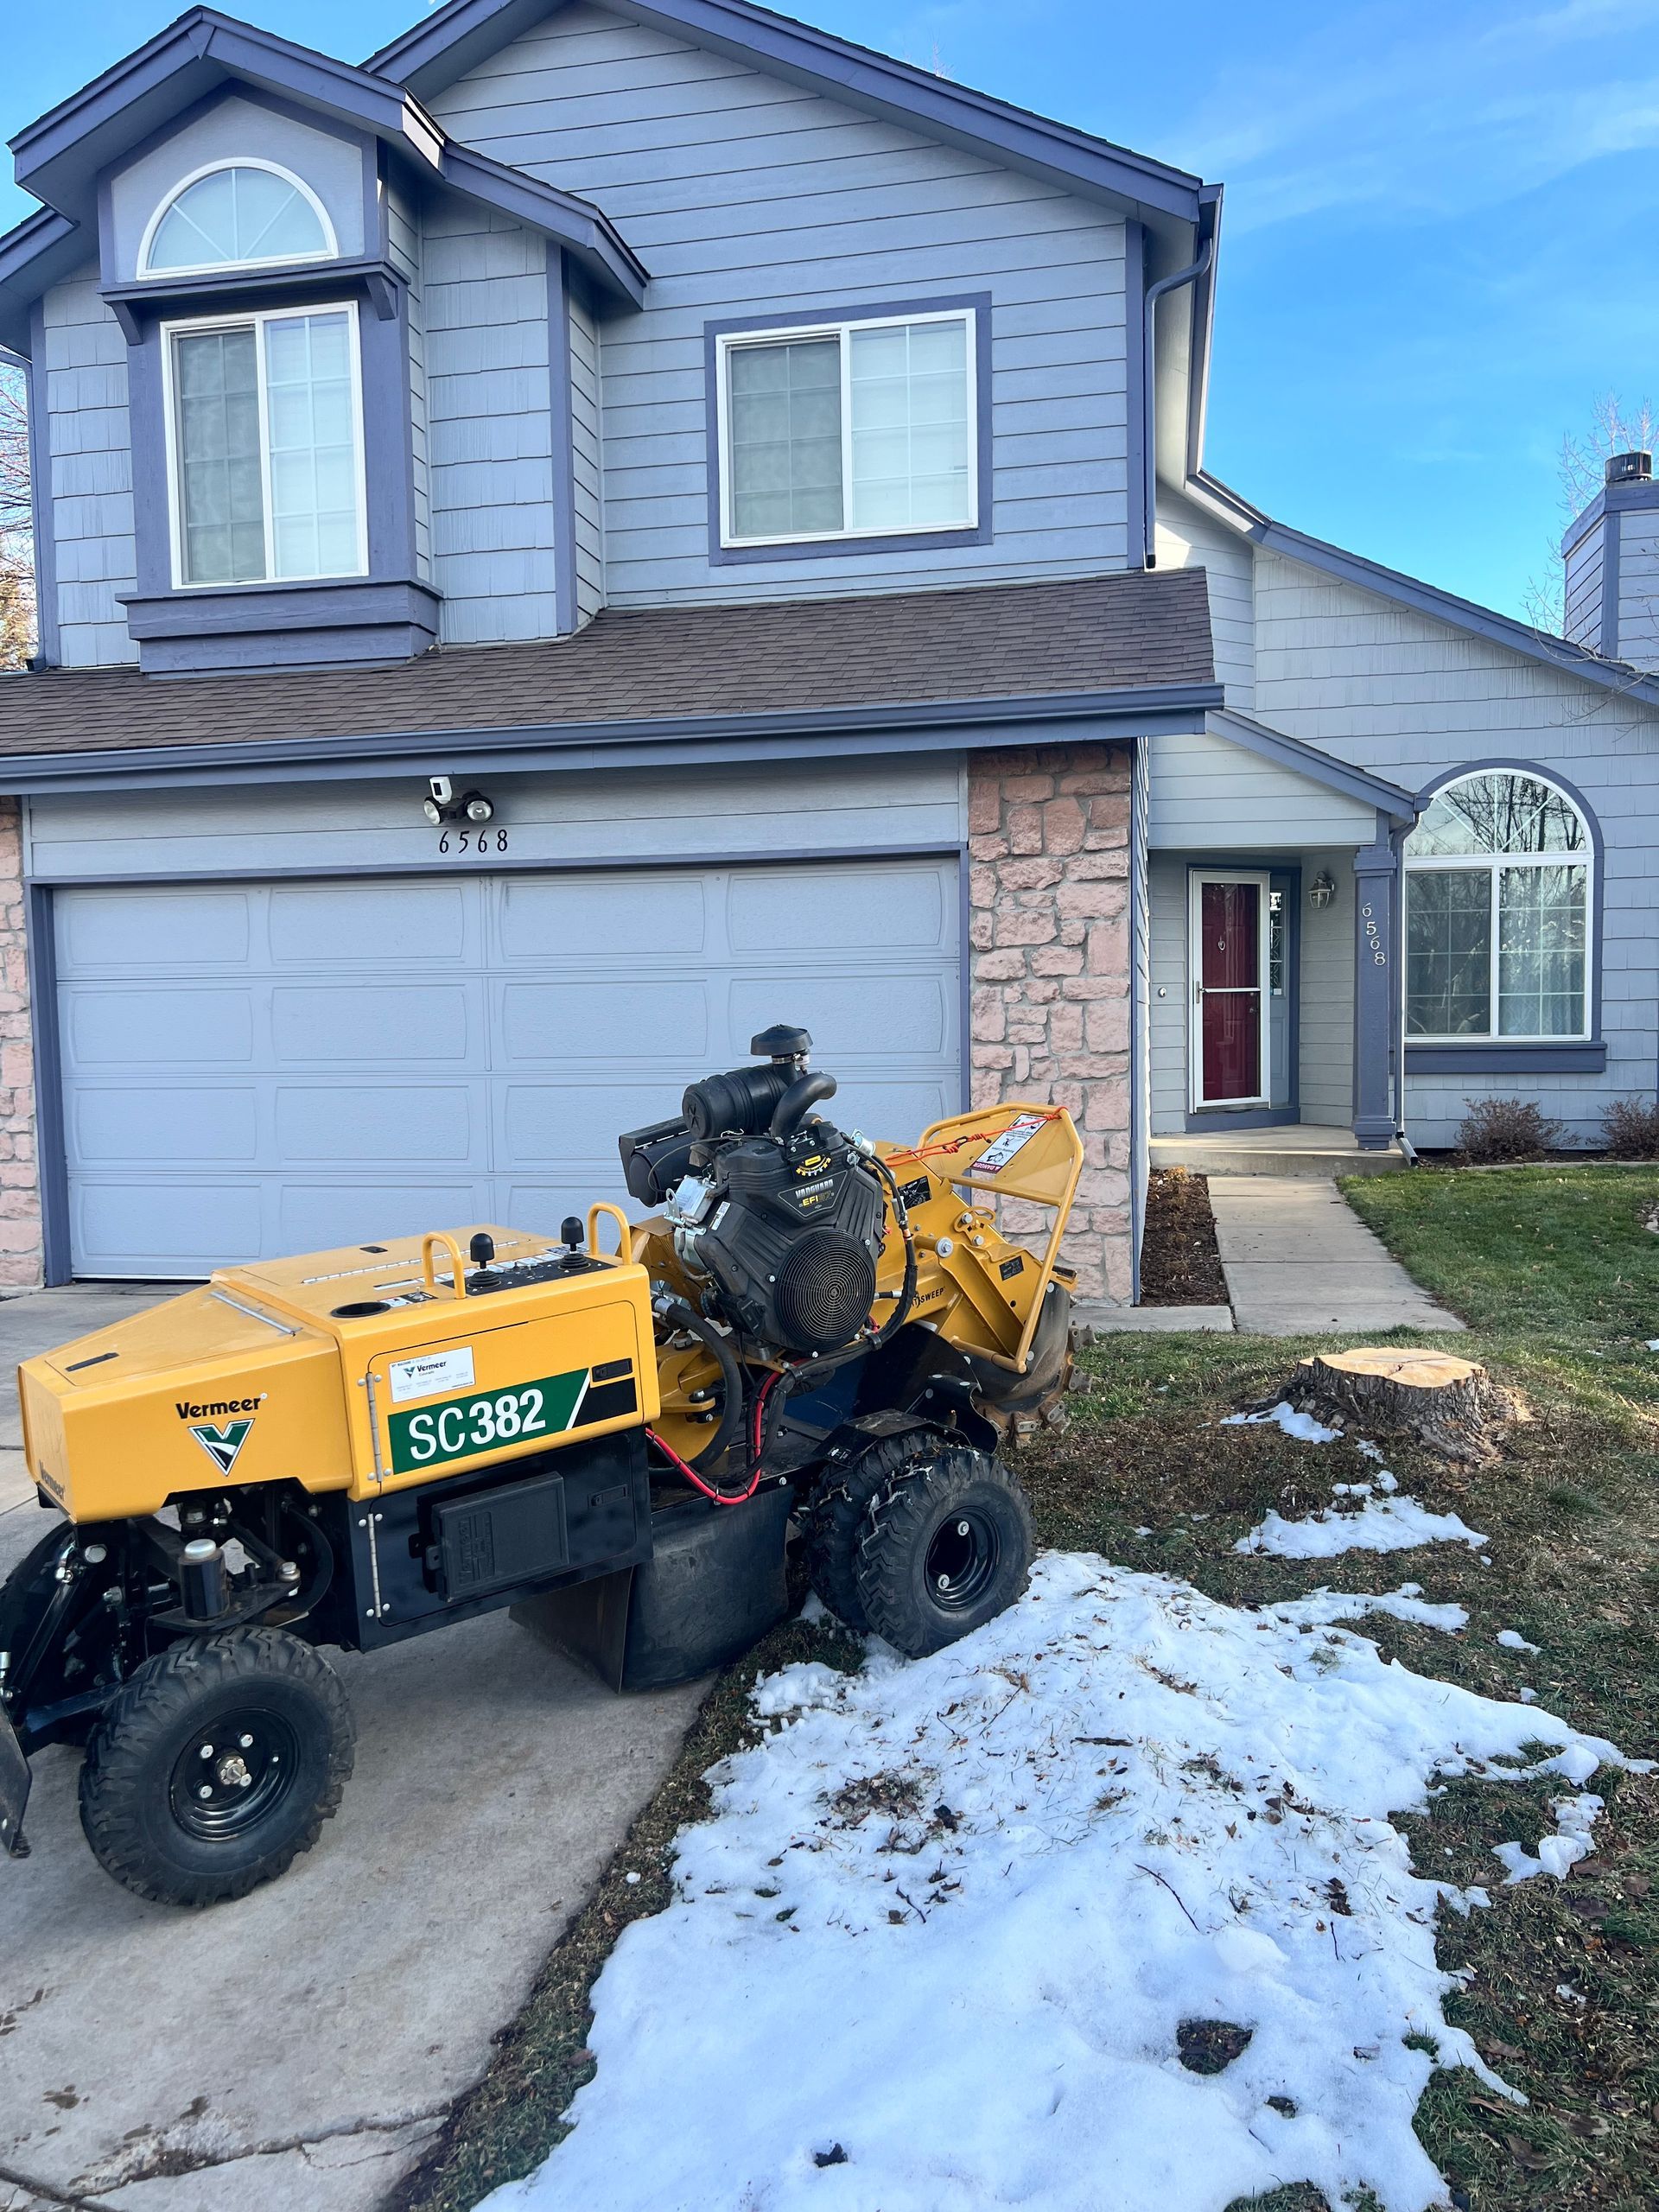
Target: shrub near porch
[[1049, 891]]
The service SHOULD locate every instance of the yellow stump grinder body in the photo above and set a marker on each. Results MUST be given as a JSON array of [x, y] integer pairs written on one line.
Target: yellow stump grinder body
[[611, 1432]]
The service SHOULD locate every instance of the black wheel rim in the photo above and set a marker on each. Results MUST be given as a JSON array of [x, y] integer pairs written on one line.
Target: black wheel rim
[[962, 1560], [233, 1773]]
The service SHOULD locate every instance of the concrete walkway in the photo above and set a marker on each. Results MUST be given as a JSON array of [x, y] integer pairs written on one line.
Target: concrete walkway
[[295, 2051], [1299, 1262]]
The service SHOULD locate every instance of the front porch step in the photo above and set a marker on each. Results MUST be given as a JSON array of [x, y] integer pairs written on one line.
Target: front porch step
[[1299, 1150]]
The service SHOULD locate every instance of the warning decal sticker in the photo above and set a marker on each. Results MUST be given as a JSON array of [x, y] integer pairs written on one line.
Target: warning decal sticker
[[1001, 1150]]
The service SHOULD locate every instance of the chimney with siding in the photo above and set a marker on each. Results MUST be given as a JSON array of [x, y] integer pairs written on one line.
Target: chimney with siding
[[1611, 554]]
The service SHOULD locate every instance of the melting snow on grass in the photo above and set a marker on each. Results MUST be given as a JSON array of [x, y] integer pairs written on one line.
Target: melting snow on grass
[[1386, 1524], [943, 1941]]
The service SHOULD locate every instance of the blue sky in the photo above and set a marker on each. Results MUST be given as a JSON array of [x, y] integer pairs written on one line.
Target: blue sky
[[1438, 245]]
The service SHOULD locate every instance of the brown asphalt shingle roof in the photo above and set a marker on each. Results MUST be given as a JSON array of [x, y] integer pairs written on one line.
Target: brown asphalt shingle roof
[[1103, 633]]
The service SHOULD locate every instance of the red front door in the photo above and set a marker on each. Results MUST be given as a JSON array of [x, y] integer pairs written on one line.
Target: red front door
[[1228, 921]]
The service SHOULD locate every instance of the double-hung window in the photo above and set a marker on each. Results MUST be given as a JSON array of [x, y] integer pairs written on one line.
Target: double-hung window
[[848, 429], [1498, 913], [265, 448]]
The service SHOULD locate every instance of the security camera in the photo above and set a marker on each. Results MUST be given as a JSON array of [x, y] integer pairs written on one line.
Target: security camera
[[442, 788]]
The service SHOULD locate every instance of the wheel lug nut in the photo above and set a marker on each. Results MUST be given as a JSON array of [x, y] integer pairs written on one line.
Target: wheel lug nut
[[945, 1582], [205, 1790], [961, 1527], [206, 1750], [246, 1742], [246, 1783]]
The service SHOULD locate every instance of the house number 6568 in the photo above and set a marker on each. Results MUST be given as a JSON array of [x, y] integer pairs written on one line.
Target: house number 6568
[[479, 843], [1374, 938]]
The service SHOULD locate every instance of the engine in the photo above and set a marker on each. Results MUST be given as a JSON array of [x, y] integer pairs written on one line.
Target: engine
[[773, 1208]]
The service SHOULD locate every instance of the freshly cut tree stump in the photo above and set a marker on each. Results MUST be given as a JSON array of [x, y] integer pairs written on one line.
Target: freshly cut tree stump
[[1451, 1405]]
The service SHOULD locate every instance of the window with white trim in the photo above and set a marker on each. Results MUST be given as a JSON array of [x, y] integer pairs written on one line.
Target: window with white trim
[[245, 214], [850, 430], [265, 448], [1498, 913]]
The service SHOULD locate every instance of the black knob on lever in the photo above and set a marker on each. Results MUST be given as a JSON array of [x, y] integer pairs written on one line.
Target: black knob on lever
[[571, 1231], [482, 1250]]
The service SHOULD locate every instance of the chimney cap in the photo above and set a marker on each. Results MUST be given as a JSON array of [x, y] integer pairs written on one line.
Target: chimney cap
[[1628, 468]]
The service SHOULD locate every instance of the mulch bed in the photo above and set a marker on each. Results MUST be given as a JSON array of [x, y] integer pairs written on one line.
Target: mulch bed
[[1179, 1265]]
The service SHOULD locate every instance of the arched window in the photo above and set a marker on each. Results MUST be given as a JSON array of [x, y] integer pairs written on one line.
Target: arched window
[[1497, 912], [241, 215]]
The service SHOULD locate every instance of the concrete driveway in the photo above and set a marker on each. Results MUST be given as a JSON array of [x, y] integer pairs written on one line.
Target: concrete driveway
[[293, 2052]]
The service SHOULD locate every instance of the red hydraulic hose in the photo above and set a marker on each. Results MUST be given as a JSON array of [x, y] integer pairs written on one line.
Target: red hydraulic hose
[[721, 1496]]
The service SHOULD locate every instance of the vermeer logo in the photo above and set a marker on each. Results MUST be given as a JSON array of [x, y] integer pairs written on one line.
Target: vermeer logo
[[221, 1441], [222, 1444]]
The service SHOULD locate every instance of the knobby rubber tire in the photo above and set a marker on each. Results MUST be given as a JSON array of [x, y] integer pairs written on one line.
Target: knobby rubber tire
[[840, 1513], [125, 1783], [917, 1502]]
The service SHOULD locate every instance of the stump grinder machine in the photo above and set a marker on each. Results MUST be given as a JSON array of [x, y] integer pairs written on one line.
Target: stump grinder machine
[[610, 1433]]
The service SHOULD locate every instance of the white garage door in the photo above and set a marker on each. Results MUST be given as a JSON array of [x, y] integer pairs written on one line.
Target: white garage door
[[255, 1069]]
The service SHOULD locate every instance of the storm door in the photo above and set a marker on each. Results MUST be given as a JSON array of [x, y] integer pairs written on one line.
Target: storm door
[[1228, 941]]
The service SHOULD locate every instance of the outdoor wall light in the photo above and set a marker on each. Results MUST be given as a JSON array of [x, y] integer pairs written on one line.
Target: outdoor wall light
[[1323, 889], [441, 805]]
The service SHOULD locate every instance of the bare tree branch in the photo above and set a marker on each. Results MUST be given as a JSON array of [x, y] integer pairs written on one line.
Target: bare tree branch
[[1579, 478]]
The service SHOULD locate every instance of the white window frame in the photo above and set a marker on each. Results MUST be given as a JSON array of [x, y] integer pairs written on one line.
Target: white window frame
[[330, 251], [256, 320], [1489, 864], [793, 333]]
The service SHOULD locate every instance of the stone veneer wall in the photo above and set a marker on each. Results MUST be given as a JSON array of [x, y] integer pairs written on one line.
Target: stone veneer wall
[[1049, 848], [21, 1254]]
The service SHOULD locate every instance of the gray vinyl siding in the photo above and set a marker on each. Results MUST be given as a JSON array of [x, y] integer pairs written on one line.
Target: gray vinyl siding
[[701, 813], [489, 400], [1208, 794], [1166, 1004], [1189, 538], [1638, 588], [1582, 605], [1398, 692], [89, 447], [586, 458], [404, 243], [745, 197], [1326, 1064]]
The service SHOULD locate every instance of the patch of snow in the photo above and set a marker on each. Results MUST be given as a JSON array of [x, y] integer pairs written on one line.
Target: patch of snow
[[1386, 1481], [1653, 1343], [1527, 1696], [1303, 1427], [1143, 1532], [950, 1918], [1575, 1819], [1392, 1524], [815, 1609], [1512, 1640], [1363, 1445], [1404, 1604]]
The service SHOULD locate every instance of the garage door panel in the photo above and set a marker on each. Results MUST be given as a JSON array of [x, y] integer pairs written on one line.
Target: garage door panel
[[374, 1023], [151, 1025], [897, 1110], [188, 929], [257, 1069], [167, 1125], [310, 1216], [539, 1122], [174, 1227], [387, 1121], [321, 924], [603, 917], [872, 909], [604, 1024], [878, 1015]]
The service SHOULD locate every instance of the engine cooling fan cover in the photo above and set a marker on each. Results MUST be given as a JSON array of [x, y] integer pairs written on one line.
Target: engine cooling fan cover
[[824, 1290]]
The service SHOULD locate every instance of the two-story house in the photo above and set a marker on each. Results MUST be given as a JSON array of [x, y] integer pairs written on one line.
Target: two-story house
[[750, 493]]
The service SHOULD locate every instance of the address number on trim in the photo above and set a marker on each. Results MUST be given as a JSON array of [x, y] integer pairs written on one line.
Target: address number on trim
[[481, 844]]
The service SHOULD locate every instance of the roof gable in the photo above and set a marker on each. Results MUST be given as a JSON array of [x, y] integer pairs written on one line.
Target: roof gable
[[456, 38]]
